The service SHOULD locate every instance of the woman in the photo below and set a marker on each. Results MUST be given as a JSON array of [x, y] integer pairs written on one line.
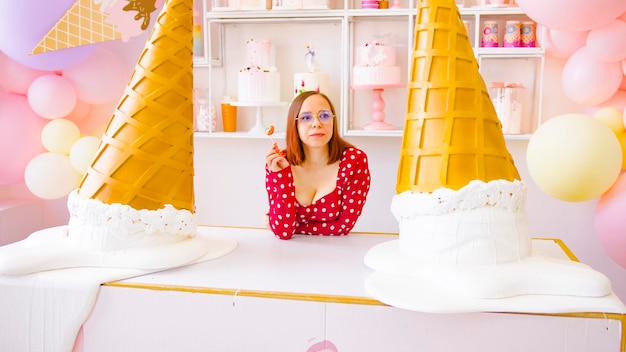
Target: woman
[[319, 184]]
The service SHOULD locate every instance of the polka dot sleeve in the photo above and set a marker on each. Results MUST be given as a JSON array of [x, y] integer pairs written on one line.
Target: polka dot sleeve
[[353, 182], [282, 201]]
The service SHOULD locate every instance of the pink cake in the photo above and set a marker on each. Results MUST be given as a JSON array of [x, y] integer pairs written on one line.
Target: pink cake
[[259, 80], [375, 65]]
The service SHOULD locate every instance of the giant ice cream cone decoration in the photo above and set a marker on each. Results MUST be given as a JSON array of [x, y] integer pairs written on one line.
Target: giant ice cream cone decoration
[[145, 159], [452, 134]]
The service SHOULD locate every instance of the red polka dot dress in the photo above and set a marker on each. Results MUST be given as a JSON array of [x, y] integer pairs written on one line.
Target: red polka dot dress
[[332, 215]]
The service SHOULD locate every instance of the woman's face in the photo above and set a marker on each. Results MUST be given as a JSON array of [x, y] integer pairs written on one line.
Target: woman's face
[[315, 122]]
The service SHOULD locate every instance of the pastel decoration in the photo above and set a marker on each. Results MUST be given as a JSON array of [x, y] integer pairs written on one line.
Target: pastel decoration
[[51, 96], [617, 101], [80, 113], [572, 15], [610, 221], [20, 132], [622, 142], [99, 115], [574, 157], [59, 135], [82, 24], [612, 118], [51, 176], [22, 25], [607, 43], [15, 77], [99, 79], [588, 81], [82, 153], [563, 44]]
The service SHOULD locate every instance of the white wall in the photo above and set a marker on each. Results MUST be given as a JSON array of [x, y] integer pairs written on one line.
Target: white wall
[[230, 186]]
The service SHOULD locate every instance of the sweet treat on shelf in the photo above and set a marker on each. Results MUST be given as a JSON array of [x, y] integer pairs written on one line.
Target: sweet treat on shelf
[[314, 79], [508, 100], [460, 201], [375, 65], [259, 80]]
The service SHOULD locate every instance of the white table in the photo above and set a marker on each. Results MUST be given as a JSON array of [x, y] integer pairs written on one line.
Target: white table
[[296, 295]]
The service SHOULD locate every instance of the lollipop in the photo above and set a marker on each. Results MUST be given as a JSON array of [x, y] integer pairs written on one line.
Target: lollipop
[[270, 131]]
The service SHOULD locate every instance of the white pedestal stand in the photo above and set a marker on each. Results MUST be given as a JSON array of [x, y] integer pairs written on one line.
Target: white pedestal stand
[[259, 127]]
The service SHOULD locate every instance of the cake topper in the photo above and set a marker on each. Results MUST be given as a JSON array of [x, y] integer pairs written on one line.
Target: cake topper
[[310, 58]]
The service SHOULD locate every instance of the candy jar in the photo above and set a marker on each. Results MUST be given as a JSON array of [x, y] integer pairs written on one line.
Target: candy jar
[[206, 118]]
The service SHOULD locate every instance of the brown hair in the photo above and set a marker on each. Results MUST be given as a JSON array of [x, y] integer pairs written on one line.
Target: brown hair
[[295, 150]]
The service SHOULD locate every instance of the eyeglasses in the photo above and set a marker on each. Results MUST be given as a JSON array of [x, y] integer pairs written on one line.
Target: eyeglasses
[[306, 117]]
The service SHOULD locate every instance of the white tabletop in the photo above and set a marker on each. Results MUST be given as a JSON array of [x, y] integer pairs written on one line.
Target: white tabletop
[[304, 265]]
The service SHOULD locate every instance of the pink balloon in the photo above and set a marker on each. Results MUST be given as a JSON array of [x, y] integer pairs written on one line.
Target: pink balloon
[[610, 221], [24, 23], [563, 44], [617, 101], [99, 116], [622, 86], [15, 77], [80, 112], [20, 137], [52, 96], [99, 79], [588, 81], [573, 15], [607, 43]]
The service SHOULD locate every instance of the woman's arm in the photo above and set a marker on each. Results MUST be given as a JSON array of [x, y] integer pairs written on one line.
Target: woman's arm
[[282, 201], [354, 180]]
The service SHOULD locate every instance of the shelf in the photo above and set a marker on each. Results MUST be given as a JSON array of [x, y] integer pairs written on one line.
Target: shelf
[[238, 135], [352, 26], [491, 10], [510, 52]]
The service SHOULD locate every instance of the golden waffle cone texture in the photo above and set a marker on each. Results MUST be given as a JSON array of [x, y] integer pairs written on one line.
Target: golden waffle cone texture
[[145, 159], [452, 134], [82, 24]]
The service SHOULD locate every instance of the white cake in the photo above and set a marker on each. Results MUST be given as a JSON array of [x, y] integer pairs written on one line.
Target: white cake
[[314, 79], [375, 65], [480, 224], [259, 80]]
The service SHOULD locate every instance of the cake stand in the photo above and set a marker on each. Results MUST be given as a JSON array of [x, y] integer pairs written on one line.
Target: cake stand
[[378, 106], [259, 127]]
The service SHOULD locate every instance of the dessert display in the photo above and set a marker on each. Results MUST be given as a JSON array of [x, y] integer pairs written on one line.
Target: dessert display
[[375, 65], [259, 80], [464, 241], [314, 79]]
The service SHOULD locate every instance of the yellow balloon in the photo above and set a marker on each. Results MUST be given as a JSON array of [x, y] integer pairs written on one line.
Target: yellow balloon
[[82, 153], [612, 118], [574, 157], [622, 141], [58, 136]]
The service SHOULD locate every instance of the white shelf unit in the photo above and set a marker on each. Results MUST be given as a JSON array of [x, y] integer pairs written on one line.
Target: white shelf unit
[[336, 32]]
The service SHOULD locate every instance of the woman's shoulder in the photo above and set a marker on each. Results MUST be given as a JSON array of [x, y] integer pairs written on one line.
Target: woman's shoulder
[[354, 154], [350, 151]]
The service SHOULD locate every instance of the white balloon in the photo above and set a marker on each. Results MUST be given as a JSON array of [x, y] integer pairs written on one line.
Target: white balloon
[[51, 176]]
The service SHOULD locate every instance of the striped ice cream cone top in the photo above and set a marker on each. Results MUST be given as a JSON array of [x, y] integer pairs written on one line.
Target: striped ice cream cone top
[[452, 134]]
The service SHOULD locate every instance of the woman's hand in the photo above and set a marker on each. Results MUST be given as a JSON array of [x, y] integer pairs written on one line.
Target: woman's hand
[[275, 159]]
